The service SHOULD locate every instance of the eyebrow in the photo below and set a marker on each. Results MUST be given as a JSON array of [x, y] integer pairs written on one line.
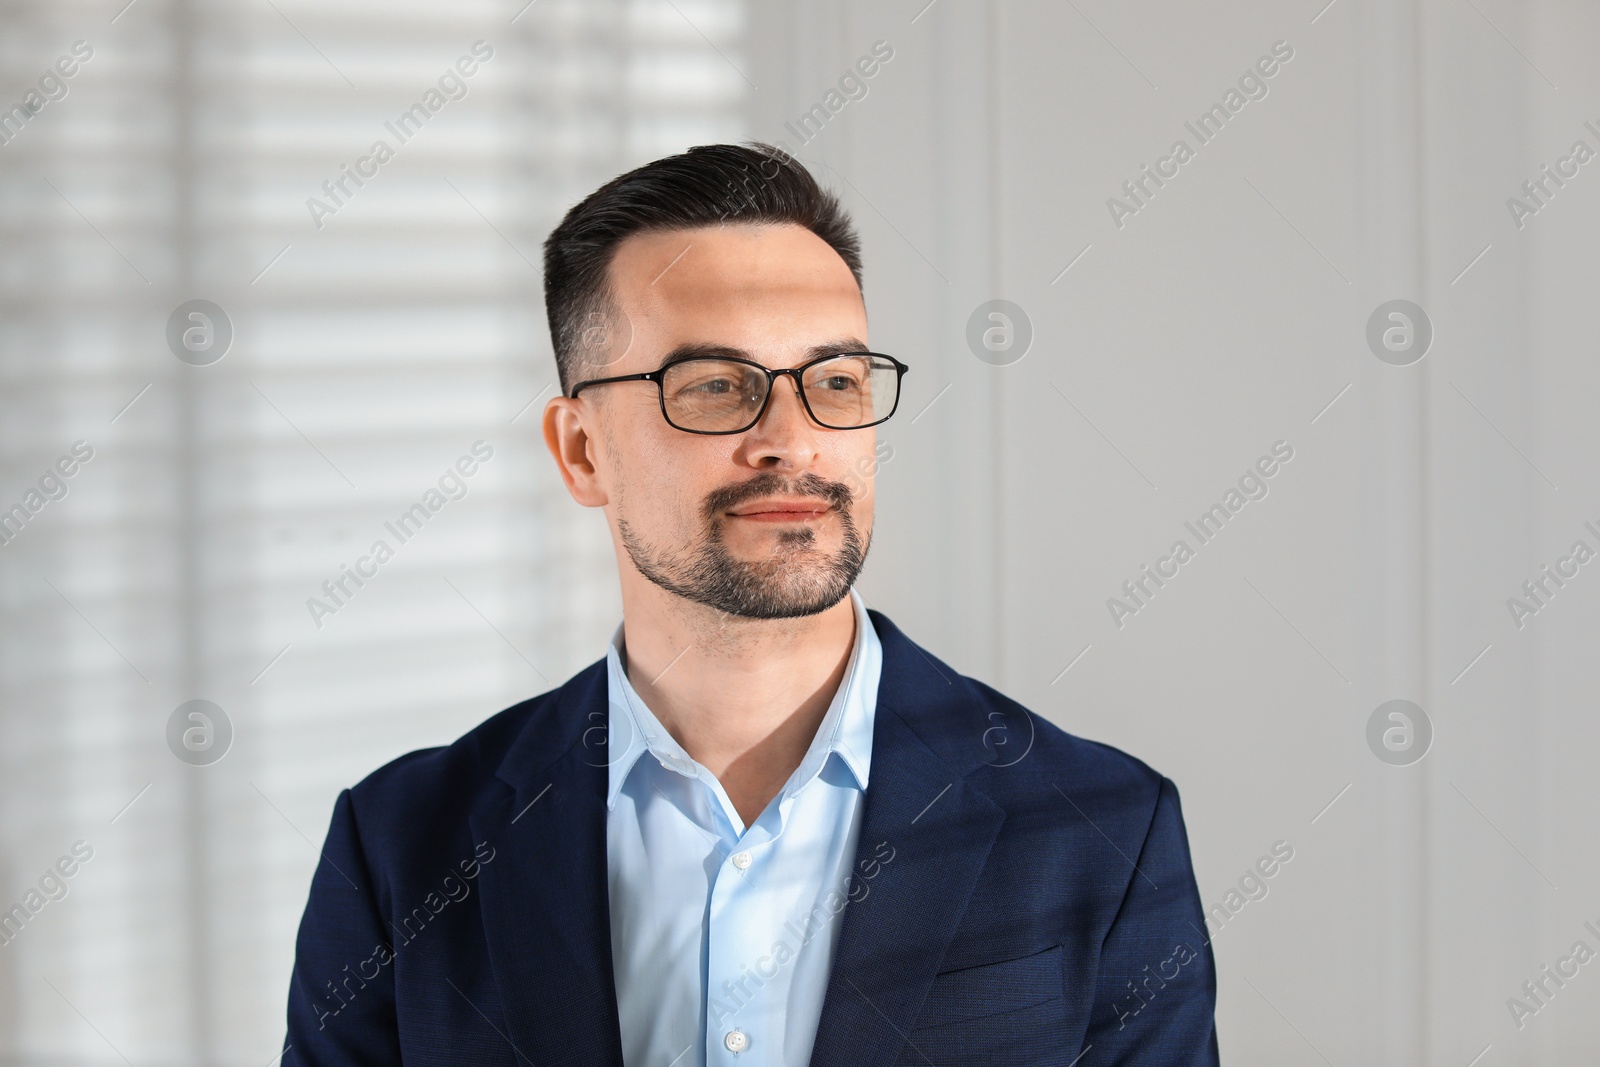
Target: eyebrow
[[699, 349]]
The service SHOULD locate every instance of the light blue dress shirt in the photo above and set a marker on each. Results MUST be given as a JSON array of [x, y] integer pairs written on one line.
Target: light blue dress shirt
[[723, 935]]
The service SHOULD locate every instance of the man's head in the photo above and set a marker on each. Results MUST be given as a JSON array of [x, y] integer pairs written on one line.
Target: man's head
[[735, 251]]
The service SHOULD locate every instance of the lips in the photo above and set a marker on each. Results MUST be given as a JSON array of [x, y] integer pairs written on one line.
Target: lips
[[777, 510]]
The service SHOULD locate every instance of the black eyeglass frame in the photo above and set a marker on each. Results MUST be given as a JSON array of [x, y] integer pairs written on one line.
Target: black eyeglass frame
[[773, 374]]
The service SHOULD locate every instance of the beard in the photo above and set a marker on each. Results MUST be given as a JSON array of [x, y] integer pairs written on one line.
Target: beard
[[796, 579]]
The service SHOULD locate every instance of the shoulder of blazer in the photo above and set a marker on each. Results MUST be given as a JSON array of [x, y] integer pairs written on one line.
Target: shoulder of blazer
[[1065, 780], [1034, 770], [1068, 754], [442, 784], [1016, 757]]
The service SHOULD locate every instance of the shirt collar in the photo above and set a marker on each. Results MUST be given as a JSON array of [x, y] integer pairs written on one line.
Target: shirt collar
[[845, 730]]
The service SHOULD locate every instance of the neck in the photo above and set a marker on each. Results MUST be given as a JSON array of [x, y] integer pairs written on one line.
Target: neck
[[744, 697]]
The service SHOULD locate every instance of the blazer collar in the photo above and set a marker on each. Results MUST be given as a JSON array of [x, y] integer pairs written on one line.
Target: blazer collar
[[546, 909]]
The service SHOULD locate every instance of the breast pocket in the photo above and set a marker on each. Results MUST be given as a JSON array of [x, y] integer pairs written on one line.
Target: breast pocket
[[990, 988], [1010, 1011]]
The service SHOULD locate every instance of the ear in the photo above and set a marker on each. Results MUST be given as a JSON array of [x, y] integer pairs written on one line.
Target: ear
[[574, 448]]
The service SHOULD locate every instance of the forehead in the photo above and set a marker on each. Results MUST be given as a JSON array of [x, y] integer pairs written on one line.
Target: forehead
[[766, 288]]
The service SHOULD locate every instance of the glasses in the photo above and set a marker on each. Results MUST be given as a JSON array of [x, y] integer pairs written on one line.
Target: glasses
[[722, 394]]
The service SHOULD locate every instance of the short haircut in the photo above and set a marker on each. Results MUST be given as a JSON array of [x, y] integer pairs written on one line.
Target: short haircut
[[705, 186]]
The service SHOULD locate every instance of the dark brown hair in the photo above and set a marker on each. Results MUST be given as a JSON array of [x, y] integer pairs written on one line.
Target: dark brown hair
[[705, 186]]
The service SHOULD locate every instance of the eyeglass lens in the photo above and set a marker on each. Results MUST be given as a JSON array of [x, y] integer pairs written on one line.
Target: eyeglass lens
[[714, 394]]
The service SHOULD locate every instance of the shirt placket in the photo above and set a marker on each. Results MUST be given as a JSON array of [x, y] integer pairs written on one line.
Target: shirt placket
[[741, 1025]]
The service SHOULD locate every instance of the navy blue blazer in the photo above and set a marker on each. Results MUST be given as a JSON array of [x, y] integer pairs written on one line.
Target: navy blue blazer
[[1022, 896]]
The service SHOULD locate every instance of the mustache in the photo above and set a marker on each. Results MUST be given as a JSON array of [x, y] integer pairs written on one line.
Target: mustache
[[808, 484]]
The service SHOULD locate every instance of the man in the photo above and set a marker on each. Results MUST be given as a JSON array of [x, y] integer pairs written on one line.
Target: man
[[767, 828]]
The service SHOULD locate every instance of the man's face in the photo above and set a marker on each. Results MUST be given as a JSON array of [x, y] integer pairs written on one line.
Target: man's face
[[694, 513]]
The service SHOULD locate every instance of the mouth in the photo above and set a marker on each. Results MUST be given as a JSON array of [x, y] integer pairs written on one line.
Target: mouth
[[781, 511]]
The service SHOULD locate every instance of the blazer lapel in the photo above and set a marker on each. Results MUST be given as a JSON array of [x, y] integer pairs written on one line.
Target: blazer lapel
[[546, 909], [926, 737]]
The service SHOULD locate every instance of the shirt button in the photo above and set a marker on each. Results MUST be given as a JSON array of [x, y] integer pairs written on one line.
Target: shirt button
[[736, 1041], [741, 860]]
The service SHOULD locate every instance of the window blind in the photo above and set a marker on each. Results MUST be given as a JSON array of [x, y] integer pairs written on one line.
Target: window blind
[[386, 364]]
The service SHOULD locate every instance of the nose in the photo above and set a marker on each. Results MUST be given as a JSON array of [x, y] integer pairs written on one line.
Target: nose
[[785, 436]]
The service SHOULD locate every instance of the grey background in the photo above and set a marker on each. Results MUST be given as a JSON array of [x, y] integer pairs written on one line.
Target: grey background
[[1229, 313]]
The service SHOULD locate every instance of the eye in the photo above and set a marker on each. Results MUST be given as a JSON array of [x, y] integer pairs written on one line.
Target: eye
[[698, 380], [844, 375]]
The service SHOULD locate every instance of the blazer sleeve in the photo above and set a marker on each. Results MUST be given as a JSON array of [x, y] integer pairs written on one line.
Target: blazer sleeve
[[1156, 992], [341, 993]]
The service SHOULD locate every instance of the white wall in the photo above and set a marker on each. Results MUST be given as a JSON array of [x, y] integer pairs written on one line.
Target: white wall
[[1226, 314]]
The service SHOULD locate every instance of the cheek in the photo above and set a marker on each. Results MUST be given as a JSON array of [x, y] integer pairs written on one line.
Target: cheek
[[666, 475]]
